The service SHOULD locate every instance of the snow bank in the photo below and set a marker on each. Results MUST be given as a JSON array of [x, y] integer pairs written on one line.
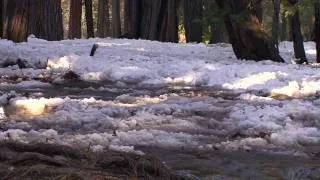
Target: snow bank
[[149, 63]]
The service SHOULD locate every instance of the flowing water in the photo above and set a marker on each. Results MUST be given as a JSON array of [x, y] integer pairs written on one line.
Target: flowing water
[[199, 164]]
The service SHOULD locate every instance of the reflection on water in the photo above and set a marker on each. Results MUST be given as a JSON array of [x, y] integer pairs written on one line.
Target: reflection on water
[[238, 165]]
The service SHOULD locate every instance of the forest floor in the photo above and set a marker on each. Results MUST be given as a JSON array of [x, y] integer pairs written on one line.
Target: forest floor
[[142, 109]]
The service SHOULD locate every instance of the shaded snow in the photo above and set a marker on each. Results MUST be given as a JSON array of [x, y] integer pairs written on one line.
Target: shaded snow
[[247, 122]]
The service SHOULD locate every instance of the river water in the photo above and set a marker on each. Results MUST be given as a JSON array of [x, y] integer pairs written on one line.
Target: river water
[[195, 163]]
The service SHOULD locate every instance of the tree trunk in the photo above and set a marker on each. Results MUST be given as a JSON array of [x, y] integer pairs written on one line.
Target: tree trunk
[[89, 18], [317, 28], [257, 9], [132, 18], [297, 37], [284, 29], [248, 37], [169, 29], [75, 19], [1, 18], [275, 21], [51, 20], [127, 16], [103, 18], [193, 10], [34, 24], [116, 23], [17, 13]]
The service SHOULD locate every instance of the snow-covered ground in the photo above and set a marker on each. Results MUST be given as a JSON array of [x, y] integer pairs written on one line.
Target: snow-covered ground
[[270, 110]]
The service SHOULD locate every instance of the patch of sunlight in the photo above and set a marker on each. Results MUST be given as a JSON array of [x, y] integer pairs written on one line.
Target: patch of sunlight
[[126, 100], [292, 89], [33, 107], [183, 80], [63, 62], [255, 79], [93, 76], [311, 51]]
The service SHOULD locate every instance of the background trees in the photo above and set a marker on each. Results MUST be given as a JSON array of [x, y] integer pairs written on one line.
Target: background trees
[[167, 20]]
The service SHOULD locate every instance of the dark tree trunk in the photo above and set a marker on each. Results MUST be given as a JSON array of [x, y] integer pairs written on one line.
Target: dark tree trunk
[[217, 29], [297, 37], [284, 29], [317, 28], [257, 9], [132, 18], [34, 24], [89, 18], [169, 29], [216, 34], [275, 21], [75, 19], [116, 23], [248, 37], [193, 10], [127, 16], [1, 18], [51, 20], [103, 18], [17, 13]]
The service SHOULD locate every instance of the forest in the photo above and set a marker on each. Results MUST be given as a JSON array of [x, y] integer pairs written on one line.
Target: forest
[[159, 89], [261, 24]]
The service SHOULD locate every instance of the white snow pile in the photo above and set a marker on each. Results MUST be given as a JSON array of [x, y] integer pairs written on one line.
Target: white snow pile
[[248, 121], [147, 63]]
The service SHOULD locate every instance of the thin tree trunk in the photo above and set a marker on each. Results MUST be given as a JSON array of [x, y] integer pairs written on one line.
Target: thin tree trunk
[[248, 37], [89, 18], [297, 37], [75, 19], [193, 10], [127, 16], [216, 34], [1, 18], [317, 28], [284, 29], [5, 18], [275, 21], [116, 23], [103, 18]]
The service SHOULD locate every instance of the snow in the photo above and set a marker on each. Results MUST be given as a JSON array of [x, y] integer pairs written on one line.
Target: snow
[[253, 120]]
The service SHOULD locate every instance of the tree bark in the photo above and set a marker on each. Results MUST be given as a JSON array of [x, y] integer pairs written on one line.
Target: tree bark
[[89, 18], [51, 20], [103, 18], [248, 37], [132, 18], [257, 8], [75, 19], [17, 28], [192, 20], [275, 21], [284, 29], [34, 24], [116, 23], [297, 37], [1, 18], [317, 28], [169, 29]]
